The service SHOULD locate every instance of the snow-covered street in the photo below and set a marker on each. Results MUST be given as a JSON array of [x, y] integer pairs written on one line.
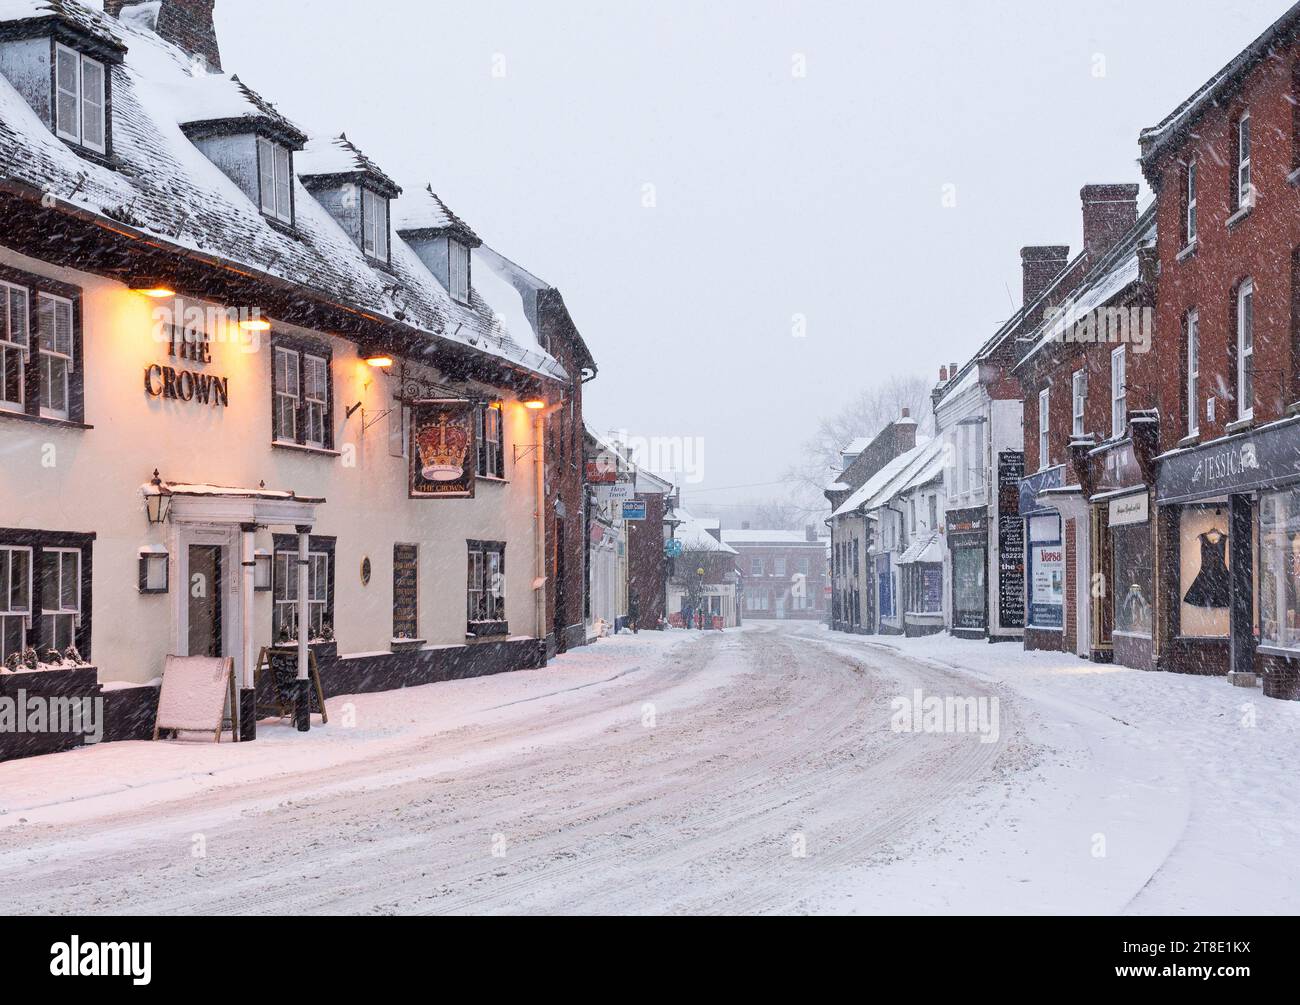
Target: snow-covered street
[[754, 770]]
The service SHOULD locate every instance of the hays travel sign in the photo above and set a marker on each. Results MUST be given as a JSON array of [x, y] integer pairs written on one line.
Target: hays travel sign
[[1243, 463]]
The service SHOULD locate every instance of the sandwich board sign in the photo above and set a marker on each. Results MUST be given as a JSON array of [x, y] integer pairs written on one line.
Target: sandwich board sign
[[194, 693]]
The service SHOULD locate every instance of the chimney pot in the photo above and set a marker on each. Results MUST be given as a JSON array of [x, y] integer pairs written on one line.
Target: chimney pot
[[1109, 212], [943, 374], [1040, 264], [907, 412], [187, 24]]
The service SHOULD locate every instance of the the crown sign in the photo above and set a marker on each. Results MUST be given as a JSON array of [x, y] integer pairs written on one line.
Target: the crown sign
[[442, 450]]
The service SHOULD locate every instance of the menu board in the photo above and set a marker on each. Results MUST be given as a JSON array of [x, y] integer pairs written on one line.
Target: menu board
[[1011, 541], [406, 579]]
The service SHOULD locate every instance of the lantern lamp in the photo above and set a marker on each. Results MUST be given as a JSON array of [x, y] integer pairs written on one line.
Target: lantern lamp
[[157, 500]]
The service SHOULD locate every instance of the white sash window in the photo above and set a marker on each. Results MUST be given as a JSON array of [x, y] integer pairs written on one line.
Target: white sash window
[[54, 316], [80, 99], [14, 345], [15, 600]]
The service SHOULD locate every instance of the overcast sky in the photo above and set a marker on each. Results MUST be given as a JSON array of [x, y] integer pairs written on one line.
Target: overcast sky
[[775, 194]]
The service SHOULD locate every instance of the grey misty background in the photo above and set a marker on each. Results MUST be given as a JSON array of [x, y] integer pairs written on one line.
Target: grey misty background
[[776, 196]]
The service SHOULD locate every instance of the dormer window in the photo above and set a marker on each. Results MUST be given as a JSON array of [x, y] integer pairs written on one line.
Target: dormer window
[[274, 171], [374, 224], [81, 99], [458, 270]]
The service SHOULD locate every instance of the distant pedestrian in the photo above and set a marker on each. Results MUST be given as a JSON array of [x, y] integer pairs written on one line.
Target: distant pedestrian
[[634, 613]]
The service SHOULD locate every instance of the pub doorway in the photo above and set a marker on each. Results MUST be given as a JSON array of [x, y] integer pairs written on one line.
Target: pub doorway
[[204, 586]]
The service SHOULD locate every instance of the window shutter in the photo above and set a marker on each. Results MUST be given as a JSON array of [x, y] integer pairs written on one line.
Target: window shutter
[[266, 174], [18, 322], [282, 184], [92, 104], [67, 111]]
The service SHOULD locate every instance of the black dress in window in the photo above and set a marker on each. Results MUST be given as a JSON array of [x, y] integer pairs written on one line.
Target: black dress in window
[[1210, 588]]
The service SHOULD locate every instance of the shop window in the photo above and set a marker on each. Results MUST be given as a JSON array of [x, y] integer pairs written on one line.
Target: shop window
[[320, 589], [15, 600], [60, 597], [968, 587], [885, 582], [1204, 586], [1046, 586], [486, 590], [1132, 552], [1279, 569], [44, 594]]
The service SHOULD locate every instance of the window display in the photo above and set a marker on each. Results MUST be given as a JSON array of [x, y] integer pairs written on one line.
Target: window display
[[1046, 573], [1132, 554], [1279, 568], [968, 587], [1203, 584]]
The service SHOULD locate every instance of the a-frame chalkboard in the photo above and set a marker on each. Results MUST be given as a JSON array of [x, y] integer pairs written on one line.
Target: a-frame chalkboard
[[282, 666]]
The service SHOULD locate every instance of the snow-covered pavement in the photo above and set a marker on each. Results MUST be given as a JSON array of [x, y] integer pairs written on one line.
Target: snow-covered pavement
[[752, 770]]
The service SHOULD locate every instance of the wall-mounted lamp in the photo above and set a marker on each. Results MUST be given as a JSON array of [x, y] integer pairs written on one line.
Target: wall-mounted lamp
[[155, 291], [379, 361], [534, 404], [157, 500], [255, 325]]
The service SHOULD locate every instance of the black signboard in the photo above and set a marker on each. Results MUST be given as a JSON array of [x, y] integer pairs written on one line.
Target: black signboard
[[277, 683], [1011, 541], [406, 578], [1237, 464], [966, 521]]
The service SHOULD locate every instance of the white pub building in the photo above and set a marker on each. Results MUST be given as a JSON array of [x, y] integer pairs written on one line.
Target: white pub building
[[250, 394]]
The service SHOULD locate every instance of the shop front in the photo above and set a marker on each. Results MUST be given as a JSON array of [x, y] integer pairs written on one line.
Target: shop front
[[1044, 561], [1229, 515], [922, 582], [967, 533], [1123, 609]]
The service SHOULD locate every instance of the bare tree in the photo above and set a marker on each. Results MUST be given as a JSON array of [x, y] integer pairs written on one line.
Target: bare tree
[[865, 415]]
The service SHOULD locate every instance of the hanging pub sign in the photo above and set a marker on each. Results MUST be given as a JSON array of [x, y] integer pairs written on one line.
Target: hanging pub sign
[[442, 449]]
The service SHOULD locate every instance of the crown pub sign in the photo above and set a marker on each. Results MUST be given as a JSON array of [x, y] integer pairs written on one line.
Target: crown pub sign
[[442, 449]]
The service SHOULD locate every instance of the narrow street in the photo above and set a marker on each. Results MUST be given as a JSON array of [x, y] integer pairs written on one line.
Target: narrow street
[[757, 737], [667, 772]]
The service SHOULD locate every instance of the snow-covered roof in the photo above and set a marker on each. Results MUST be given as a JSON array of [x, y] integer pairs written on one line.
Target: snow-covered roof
[[881, 486], [165, 187], [1217, 89], [694, 534], [927, 549], [337, 156], [969, 377], [790, 537], [428, 213]]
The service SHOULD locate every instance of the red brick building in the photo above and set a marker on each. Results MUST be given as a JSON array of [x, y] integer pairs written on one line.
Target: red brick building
[[783, 573], [1089, 400], [1226, 167]]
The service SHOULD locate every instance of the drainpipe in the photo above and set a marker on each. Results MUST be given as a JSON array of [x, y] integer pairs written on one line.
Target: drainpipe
[[246, 714], [539, 517], [302, 709]]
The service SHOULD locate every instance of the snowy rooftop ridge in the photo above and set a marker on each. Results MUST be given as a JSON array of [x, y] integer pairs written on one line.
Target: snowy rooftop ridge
[[326, 157], [182, 200], [894, 476], [791, 537], [427, 212]]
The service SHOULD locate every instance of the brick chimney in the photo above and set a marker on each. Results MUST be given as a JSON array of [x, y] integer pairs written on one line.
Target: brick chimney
[[187, 24], [1040, 264], [810, 533], [943, 375], [1109, 212]]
